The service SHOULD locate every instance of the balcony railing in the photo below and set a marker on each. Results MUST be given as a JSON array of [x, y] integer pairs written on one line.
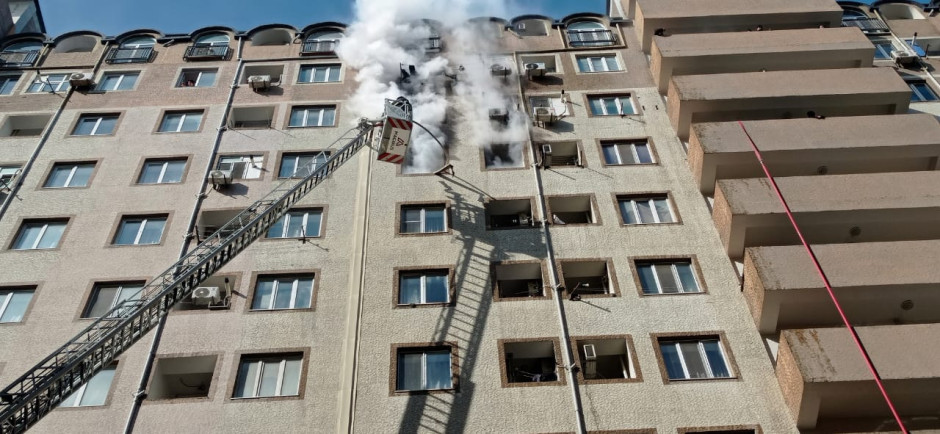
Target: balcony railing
[[434, 43], [591, 38], [18, 58], [318, 47], [868, 25], [207, 52], [130, 55]]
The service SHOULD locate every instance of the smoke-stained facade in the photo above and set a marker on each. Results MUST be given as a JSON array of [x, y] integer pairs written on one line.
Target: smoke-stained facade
[[579, 238]]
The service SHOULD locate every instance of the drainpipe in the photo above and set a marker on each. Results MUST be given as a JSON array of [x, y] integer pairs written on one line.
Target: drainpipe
[[567, 354], [45, 135], [141, 393]]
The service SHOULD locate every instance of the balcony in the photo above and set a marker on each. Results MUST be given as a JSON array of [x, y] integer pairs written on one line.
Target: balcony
[[130, 55], [876, 283], [830, 209], [806, 147], [591, 38], [676, 17], [207, 52], [319, 47], [18, 59], [718, 53], [869, 26], [827, 387], [784, 95]]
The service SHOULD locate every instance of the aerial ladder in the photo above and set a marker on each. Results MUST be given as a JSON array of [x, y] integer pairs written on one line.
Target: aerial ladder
[[33, 395]]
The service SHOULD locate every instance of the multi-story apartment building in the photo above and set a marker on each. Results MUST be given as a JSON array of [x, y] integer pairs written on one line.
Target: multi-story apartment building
[[623, 265], [20, 16]]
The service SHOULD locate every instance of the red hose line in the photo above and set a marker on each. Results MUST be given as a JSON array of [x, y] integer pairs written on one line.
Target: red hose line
[[822, 275]]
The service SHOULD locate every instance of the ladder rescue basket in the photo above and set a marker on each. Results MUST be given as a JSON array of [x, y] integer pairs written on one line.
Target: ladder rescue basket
[[396, 132]]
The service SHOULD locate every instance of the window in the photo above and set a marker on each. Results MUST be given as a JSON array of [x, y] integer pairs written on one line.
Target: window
[[197, 78], [24, 125], [8, 83], [297, 224], [503, 156], [182, 377], [270, 375], [606, 358], [627, 153], [8, 176], [140, 230], [283, 292], [112, 81], [13, 304], [587, 278], [69, 175], [883, 49], [273, 71], [921, 92], [313, 116], [696, 358], [242, 166], [298, 165], [162, 171], [531, 361], [35, 235], [94, 392], [611, 105], [599, 63], [319, 73], [424, 369], [518, 280], [49, 83], [106, 296], [213, 39], [20, 53], [589, 34], [667, 277], [537, 65], [560, 154], [95, 125], [133, 50], [251, 117], [920, 48], [645, 210], [422, 219], [423, 287], [323, 41], [181, 122], [508, 214], [572, 210]]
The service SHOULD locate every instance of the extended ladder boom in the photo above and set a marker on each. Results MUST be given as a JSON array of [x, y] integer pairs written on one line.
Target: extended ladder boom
[[36, 393]]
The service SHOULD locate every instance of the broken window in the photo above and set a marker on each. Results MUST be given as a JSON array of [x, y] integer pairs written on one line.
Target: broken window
[[503, 155]]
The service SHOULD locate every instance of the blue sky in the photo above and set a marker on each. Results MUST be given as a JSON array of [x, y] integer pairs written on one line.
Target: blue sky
[[113, 17]]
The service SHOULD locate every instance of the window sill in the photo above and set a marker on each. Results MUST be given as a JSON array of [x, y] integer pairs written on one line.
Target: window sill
[[420, 305], [423, 392], [310, 126], [694, 380], [657, 294], [285, 310], [264, 398]]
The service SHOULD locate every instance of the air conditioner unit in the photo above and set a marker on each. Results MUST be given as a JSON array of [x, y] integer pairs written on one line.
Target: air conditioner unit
[[546, 155], [259, 82], [499, 71], [542, 114], [903, 57], [535, 69], [206, 295], [590, 361], [81, 79], [220, 178]]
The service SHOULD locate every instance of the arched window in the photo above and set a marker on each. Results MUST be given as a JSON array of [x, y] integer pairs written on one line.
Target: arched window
[[589, 34], [135, 49], [20, 53], [139, 42], [322, 41], [76, 44], [853, 14], [900, 11], [213, 40]]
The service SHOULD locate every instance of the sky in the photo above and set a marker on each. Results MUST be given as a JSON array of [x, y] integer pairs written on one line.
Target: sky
[[113, 17]]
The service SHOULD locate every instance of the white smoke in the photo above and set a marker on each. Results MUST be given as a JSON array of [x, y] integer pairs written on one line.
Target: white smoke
[[389, 36]]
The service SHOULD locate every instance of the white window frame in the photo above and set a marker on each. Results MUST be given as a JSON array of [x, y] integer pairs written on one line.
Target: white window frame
[[164, 164], [675, 274], [651, 201], [94, 129], [6, 296], [68, 180], [618, 102], [48, 85], [636, 155], [297, 156], [179, 126], [140, 231], [603, 58], [307, 111], [7, 78], [295, 283], [423, 275], [281, 362], [700, 344], [120, 288], [198, 72], [328, 66], [42, 233], [121, 76], [304, 219], [79, 393], [424, 366], [422, 218]]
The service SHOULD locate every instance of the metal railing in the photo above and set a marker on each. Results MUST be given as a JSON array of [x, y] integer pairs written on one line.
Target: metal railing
[[316, 47], [591, 38], [867, 25], [27, 399], [199, 52], [18, 58], [434, 43], [130, 55]]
